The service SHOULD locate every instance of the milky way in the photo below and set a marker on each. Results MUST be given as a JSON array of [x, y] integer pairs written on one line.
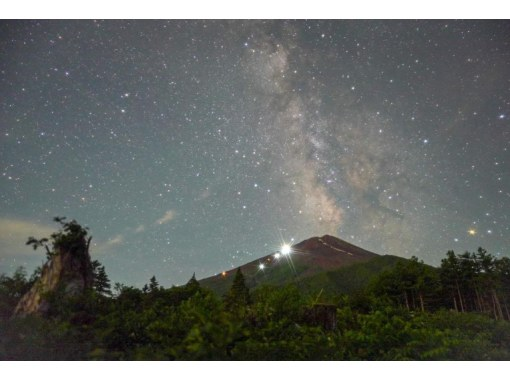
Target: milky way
[[196, 146]]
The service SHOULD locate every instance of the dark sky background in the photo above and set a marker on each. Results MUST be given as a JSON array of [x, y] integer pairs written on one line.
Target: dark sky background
[[196, 146]]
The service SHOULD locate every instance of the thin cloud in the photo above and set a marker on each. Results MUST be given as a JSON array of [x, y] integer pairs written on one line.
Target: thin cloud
[[14, 234], [140, 229], [118, 239], [105, 247], [169, 215]]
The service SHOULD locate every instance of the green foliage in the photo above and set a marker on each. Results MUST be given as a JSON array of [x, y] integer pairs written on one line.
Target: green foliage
[[410, 284], [153, 285], [239, 294], [35, 338], [351, 279], [193, 285], [12, 289], [477, 282], [284, 304], [101, 281], [384, 321], [71, 236]]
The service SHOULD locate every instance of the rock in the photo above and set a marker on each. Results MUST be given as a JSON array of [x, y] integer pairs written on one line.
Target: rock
[[69, 271]]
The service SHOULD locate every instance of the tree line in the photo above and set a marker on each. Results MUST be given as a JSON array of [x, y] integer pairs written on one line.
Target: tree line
[[469, 282], [410, 312]]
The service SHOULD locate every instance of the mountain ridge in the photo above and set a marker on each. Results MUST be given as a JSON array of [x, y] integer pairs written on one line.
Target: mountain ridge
[[304, 260]]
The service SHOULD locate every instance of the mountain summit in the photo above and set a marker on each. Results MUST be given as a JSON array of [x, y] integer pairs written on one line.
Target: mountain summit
[[299, 263], [328, 253]]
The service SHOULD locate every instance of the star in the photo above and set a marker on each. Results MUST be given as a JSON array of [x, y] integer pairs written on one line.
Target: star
[[258, 126]]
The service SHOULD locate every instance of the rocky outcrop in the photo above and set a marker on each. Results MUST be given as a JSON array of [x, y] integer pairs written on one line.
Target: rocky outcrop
[[69, 272]]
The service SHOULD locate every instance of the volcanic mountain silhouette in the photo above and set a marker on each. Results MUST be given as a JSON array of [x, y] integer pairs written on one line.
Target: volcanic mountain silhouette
[[308, 259]]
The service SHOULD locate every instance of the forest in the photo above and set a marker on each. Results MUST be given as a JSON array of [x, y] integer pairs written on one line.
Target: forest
[[458, 311]]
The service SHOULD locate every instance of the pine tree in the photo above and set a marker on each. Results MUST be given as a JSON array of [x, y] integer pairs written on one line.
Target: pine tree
[[153, 284], [239, 294], [101, 280], [192, 285], [451, 276]]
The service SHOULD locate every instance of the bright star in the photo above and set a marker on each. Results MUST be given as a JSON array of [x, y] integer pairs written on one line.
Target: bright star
[[472, 231], [261, 266], [277, 255]]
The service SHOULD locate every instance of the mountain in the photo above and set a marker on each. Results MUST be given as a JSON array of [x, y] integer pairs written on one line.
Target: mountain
[[319, 263]]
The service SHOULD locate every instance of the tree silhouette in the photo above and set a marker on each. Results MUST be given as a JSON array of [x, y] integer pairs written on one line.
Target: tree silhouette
[[412, 284], [192, 285], [452, 279], [153, 284], [476, 282], [71, 236], [239, 294], [101, 281]]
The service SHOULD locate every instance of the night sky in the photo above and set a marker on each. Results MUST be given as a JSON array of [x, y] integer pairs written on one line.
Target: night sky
[[197, 146]]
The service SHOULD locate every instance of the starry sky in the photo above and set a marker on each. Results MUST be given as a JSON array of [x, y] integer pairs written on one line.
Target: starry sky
[[199, 145]]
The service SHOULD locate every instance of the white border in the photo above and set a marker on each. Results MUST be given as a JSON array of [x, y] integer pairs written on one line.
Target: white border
[[260, 9]]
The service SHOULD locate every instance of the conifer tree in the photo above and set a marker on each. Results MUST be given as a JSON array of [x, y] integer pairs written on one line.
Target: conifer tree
[[239, 294], [192, 285], [153, 284], [101, 280]]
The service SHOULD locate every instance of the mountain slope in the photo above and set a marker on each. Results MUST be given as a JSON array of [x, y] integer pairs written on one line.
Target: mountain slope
[[315, 263], [351, 278]]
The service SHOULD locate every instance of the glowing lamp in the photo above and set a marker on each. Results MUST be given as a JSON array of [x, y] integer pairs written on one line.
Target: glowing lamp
[[286, 249]]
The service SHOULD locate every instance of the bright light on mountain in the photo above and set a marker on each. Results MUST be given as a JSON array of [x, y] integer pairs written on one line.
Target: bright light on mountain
[[286, 249]]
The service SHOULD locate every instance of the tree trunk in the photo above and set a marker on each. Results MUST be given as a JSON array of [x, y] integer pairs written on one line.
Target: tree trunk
[[422, 304], [497, 305], [507, 313], [460, 298], [407, 301], [494, 307], [479, 305]]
